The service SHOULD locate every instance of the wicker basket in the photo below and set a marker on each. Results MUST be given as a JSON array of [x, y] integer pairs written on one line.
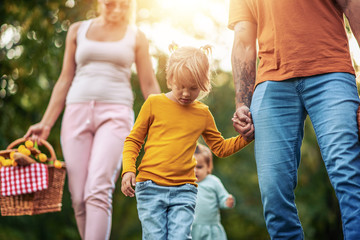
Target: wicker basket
[[48, 200]]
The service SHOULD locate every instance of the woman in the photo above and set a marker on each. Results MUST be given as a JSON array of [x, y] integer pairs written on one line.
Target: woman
[[94, 84]]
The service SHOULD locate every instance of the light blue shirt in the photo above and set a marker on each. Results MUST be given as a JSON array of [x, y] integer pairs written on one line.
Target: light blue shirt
[[211, 197]]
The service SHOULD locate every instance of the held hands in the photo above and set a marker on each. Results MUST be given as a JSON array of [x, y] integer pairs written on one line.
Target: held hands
[[230, 201], [38, 131], [128, 184], [243, 124]]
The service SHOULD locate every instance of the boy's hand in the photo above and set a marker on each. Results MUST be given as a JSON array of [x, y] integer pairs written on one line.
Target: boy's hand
[[128, 184], [230, 201]]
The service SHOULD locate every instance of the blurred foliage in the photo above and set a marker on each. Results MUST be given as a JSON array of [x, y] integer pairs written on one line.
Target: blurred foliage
[[32, 45]]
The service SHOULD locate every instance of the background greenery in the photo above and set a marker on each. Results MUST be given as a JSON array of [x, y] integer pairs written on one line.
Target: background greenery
[[30, 64]]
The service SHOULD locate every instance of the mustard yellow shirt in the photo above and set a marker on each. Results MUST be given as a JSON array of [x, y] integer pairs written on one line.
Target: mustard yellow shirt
[[172, 131]]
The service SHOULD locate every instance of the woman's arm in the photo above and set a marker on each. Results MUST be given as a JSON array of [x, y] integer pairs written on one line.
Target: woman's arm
[[57, 100], [148, 82]]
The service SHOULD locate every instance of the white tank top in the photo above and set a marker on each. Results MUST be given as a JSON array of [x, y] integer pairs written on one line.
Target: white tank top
[[103, 69]]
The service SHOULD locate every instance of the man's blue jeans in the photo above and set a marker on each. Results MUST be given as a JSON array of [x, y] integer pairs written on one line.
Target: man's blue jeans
[[166, 213], [279, 110]]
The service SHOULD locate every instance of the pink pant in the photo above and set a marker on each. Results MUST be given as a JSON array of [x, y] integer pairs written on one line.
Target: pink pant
[[92, 139]]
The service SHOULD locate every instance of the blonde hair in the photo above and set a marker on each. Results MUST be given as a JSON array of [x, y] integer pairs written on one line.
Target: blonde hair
[[130, 14], [189, 63], [206, 153]]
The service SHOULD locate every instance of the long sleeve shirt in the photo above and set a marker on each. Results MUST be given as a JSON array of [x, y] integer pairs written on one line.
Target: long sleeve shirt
[[172, 131]]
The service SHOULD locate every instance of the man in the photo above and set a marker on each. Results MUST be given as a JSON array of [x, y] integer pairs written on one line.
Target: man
[[304, 69]]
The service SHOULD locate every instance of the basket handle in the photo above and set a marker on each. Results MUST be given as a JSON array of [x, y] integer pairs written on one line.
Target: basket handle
[[42, 142]]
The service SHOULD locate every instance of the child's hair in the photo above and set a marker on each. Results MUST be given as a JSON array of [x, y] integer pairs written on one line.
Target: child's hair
[[189, 63], [206, 153]]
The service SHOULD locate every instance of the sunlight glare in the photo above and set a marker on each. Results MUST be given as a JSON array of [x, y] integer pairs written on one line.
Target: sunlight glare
[[203, 24], [191, 23], [182, 6], [9, 35], [354, 49]]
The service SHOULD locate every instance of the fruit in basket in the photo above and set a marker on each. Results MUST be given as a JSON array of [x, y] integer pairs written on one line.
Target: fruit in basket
[[22, 149], [29, 144], [1, 160], [13, 163], [26, 154], [57, 164], [6, 162], [42, 157]]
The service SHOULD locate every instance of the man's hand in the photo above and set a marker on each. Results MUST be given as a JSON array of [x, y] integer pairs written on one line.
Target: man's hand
[[243, 124], [128, 184]]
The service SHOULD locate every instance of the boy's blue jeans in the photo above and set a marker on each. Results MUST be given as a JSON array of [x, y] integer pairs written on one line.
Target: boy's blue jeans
[[279, 110], [166, 213]]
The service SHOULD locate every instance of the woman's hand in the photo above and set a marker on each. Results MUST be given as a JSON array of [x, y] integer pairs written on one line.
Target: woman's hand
[[128, 184], [38, 131]]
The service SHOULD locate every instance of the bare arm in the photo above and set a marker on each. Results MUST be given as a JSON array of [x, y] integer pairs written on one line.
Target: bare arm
[[351, 9], [61, 88], [243, 61], [148, 82]]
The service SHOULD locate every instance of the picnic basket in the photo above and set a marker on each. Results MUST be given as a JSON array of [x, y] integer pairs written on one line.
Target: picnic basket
[[44, 201]]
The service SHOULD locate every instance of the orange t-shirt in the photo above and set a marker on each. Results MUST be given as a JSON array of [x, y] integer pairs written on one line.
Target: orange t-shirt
[[297, 38]]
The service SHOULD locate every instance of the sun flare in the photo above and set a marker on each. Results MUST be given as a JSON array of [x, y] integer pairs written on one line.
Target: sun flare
[[190, 22]]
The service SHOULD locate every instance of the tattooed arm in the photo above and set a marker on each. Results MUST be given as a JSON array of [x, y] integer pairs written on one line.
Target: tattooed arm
[[244, 72], [351, 9]]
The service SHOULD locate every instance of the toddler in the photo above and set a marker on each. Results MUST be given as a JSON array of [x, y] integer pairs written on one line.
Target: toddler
[[210, 198], [172, 123]]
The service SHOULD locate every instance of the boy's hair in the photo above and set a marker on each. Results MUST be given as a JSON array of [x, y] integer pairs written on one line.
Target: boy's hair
[[205, 151], [189, 64]]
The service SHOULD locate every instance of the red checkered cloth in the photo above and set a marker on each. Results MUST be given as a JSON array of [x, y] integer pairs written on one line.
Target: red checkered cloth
[[23, 179]]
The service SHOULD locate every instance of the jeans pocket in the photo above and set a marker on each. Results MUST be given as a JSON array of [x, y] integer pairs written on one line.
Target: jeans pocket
[[190, 187], [142, 185]]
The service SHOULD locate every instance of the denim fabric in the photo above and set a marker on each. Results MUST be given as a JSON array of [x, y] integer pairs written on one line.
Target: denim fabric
[[166, 213], [279, 110]]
